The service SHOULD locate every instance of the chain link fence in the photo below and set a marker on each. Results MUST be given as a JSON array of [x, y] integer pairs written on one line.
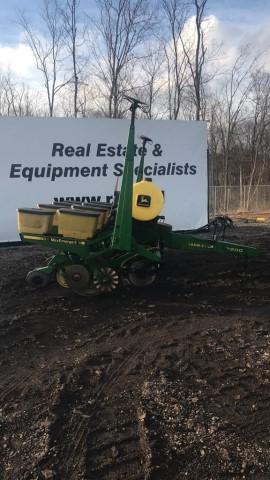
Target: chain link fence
[[235, 199]]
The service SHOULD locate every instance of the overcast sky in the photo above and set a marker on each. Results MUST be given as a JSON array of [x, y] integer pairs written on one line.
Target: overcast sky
[[234, 22]]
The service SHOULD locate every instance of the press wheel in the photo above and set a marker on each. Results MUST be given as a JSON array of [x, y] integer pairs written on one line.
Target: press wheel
[[141, 273], [106, 280]]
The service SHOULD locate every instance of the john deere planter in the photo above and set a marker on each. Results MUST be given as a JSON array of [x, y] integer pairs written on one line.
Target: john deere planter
[[102, 246]]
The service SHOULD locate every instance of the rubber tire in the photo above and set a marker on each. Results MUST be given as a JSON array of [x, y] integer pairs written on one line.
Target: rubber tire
[[38, 278]]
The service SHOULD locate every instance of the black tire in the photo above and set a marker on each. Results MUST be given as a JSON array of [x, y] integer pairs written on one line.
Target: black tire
[[38, 278], [142, 273]]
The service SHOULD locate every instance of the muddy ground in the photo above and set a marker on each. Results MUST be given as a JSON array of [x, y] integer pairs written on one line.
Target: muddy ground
[[169, 383]]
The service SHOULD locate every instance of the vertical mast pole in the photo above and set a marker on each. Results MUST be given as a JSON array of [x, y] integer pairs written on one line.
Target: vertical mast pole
[[122, 234], [141, 166]]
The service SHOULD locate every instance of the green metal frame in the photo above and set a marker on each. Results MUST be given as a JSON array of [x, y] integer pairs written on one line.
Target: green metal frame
[[122, 233], [190, 242]]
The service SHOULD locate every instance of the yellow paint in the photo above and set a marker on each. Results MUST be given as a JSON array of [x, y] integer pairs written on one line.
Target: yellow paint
[[32, 237], [147, 201], [77, 224], [32, 220]]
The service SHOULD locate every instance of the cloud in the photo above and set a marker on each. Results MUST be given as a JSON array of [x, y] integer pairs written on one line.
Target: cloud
[[231, 36], [18, 59]]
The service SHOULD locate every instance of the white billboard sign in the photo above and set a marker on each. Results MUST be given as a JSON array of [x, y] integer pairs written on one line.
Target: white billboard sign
[[42, 159]]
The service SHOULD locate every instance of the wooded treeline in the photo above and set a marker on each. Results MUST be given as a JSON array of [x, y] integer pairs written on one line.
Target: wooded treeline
[[164, 53]]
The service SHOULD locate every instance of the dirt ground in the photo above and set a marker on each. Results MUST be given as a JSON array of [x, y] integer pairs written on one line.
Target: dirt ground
[[170, 382]]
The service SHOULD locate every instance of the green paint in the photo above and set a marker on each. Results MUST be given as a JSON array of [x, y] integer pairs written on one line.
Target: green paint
[[122, 234]]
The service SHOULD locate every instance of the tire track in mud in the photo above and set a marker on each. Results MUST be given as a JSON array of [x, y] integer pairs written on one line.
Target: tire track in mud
[[136, 398], [117, 441], [114, 449], [114, 441], [92, 407], [107, 427], [13, 387]]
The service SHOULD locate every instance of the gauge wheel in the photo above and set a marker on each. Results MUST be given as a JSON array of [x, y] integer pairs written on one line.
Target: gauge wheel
[[80, 281], [60, 278]]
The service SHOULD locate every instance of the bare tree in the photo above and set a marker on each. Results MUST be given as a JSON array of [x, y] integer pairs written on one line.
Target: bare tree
[[122, 26], [74, 33], [256, 132], [176, 12], [86, 100], [151, 77], [15, 99], [196, 56], [228, 110], [47, 47]]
